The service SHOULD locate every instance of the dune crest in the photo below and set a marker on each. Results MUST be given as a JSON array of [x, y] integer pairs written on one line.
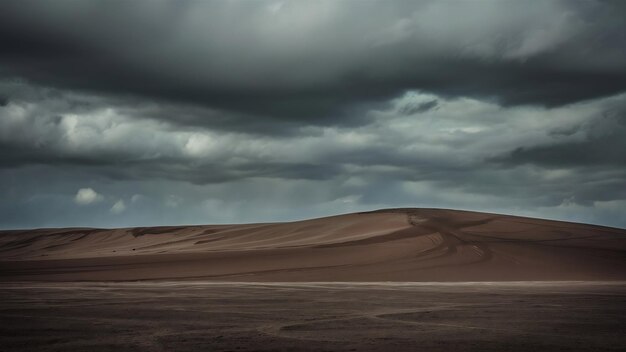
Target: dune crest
[[385, 245]]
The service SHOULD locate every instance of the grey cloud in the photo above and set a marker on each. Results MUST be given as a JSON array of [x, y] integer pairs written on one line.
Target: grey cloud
[[602, 143], [601, 151], [318, 61], [568, 131], [50, 101], [416, 108], [228, 111]]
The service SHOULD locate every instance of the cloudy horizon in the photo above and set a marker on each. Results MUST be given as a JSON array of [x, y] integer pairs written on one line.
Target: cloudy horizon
[[117, 113]]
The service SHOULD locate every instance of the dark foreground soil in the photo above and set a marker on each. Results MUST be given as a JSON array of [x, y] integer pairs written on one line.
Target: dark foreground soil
[[204, 316]]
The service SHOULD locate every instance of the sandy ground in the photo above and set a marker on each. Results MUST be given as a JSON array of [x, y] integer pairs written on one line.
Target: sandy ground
[[391, 245], [356, 282], [209, 316]]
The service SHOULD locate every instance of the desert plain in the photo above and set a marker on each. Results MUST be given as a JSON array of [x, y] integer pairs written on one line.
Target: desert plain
[[397, 279]]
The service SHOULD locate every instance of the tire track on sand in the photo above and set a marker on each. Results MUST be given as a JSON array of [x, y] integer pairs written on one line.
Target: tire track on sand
[[452, 239]]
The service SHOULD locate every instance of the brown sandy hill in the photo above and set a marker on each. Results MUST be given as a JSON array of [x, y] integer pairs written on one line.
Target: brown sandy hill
[[386, 245]]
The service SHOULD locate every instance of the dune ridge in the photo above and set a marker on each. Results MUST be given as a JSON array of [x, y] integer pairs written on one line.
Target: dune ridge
[[385, 245]]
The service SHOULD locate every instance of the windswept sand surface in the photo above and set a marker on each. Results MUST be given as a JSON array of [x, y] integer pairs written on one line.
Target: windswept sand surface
[[389, 245], [357, 282], [208, 316]]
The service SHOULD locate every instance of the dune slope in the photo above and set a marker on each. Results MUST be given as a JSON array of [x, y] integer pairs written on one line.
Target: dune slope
[[386, 245]]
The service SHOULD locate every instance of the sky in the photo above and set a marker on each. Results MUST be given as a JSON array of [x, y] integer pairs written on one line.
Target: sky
[[135, 113]]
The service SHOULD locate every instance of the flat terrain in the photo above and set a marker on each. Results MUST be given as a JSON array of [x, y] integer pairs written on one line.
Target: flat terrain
[[210, 316], [389, 245]]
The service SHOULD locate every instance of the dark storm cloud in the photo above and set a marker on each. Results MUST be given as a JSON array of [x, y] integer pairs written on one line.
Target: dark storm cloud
[[608, 150], [210, 111], [122, 166], [61, 102], [322, 62], [602, 142]]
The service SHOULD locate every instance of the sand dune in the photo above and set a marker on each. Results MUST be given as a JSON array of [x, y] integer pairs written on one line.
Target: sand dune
[[387, 245]]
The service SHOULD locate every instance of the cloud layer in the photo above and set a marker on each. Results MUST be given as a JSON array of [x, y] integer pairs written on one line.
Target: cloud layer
[[230, 111]]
